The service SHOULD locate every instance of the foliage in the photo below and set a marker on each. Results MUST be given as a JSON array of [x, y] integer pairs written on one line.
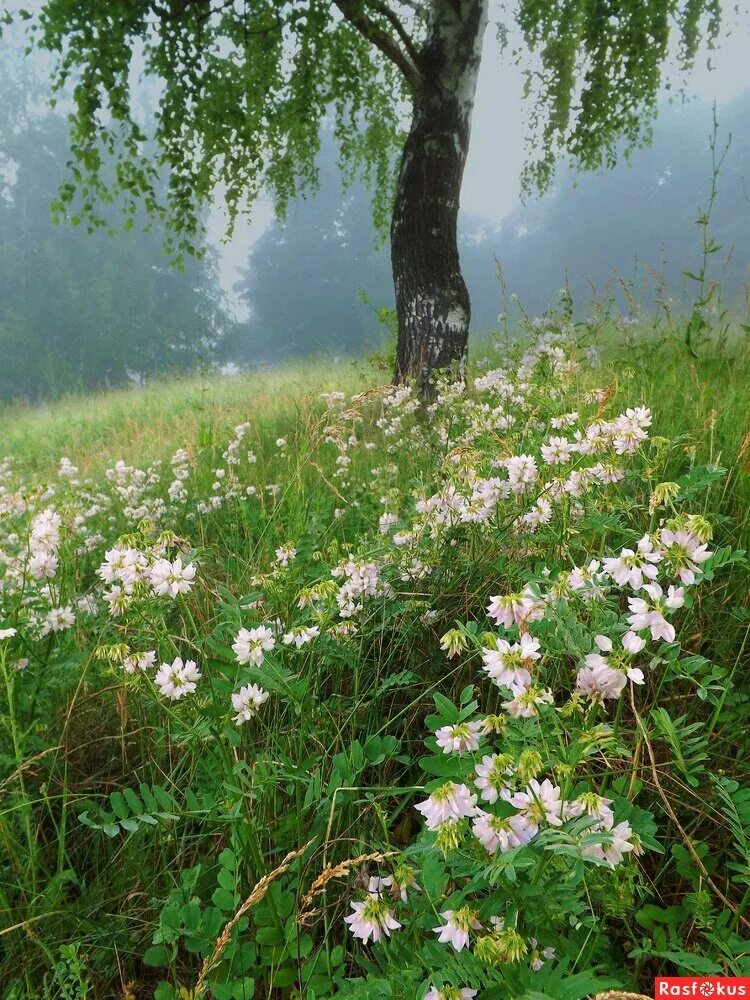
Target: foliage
[[601, 72], [319, 564], [255, 81]]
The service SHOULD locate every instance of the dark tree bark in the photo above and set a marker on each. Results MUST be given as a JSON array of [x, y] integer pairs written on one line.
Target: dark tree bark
[[432, 301]]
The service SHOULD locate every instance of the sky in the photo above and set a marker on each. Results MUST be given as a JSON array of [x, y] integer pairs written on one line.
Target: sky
[[496, 156]]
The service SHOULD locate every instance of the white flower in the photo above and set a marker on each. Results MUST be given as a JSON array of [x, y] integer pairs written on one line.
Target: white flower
[[403, 880], [633, 643], [250, 644], [494, 833], [566, 420], [386, 522], [450, 802], [87, 604], [587, 577], [176, 679], [600, 682], [458, 924], [612, 853], [526, 704], [675, 597], [284, 555], [67, 469], [43, 565], [684, 553], [492, 775], [541, 801], [603, 679], [300, 636], [171, 578], [630, 568], [58, 620], [557, 451], [459, 738], [539, 958], [515, 609], [118, 599], [376, 885], [592, 805], [7, 633], [522, 472], [508, 664], [650, 614], [247, 701], [136, 662], [371, 919], [124, 565]]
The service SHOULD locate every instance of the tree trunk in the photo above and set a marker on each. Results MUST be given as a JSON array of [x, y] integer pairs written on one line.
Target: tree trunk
[[432, 301]]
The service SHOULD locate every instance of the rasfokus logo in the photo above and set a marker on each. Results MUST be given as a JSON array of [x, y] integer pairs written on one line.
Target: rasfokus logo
[[701, 986]]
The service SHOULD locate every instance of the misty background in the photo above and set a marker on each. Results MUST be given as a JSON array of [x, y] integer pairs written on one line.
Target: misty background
[[80, 310]]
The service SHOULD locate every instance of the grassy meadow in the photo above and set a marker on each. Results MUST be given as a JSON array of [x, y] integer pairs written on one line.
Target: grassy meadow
[[326, 565]]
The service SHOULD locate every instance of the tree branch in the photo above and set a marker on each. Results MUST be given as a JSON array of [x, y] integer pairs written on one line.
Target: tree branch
[[403, 34], [381, 39]]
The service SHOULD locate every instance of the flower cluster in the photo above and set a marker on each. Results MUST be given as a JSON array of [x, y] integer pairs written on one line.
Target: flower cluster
[[526, 472]]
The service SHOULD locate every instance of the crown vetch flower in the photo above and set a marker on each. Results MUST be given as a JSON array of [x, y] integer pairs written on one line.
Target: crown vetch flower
[[620, 843], [171, 578], [450, 993], [631, 568], [457, 926], [371, 919], [460, 738], [493, 775], [247, 701], [251, 644], [508, 665], [649, 614], [176, 679], [450, 802]]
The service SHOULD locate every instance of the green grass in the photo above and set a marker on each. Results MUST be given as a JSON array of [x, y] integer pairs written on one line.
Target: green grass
[[142, 424], [333, 757]]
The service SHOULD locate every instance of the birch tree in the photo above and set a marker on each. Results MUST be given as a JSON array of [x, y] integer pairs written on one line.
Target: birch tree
[[244, 85]]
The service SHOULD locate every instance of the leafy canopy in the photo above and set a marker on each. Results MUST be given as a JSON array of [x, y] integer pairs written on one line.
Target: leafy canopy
[[244, 85]]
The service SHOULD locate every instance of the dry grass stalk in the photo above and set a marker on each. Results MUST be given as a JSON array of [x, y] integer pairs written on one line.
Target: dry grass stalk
[[259, 891], [336, 871], [616, 995], [378, 390]]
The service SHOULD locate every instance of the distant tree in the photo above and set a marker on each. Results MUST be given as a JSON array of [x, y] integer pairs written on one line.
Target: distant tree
[[80, 311], [303, 277], [633, 222], [245, 84]]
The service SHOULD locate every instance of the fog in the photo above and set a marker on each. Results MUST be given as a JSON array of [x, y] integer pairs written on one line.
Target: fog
[[112, 309]]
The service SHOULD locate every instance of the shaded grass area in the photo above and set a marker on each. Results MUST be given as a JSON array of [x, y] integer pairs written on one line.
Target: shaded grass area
[[144, 424]]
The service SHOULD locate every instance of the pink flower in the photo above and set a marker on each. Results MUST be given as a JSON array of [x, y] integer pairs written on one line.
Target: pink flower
[[460, 738], [458, 924], [450, 802], [540, 802], [507, 665], [371, 919]]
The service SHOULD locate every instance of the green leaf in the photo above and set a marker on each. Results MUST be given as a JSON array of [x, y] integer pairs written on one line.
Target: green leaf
[[224, 899], [119, 805], [156, 955], [134, 803]]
